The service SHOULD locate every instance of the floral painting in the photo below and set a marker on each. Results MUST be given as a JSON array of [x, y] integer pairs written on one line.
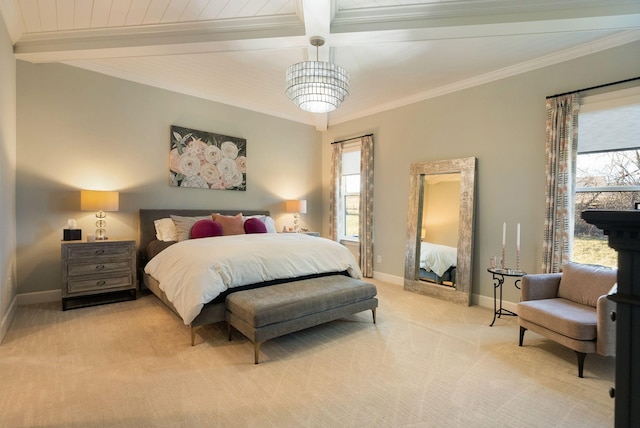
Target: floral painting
[[207, 161]]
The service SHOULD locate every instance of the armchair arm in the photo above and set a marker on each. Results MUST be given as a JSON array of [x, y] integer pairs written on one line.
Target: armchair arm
[[606, 329], [540, 286]]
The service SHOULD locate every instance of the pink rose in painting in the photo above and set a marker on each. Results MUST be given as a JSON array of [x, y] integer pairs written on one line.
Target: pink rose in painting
[[189, 164], [196, 148], [241, 163], [174, 161], [229, 150], [210, 173], [227, 167]]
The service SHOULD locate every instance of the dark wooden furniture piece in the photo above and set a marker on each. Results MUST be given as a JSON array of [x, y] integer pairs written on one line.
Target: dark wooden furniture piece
[[623, 230], [97, 272]]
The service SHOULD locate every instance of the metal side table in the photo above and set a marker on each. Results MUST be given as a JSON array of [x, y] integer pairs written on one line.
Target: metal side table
[[498, 281]]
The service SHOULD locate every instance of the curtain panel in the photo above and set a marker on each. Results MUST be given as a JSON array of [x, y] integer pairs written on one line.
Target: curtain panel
[[335, 201], [366, 206], [561, 154]]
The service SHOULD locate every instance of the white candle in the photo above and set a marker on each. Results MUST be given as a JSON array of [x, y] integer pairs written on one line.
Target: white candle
[[518, 237], [504, 234]]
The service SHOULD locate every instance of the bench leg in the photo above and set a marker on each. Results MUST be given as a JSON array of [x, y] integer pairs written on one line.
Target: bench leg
[[229, 330], [256, 351], [193, 335], [522, 330], [373, 311]]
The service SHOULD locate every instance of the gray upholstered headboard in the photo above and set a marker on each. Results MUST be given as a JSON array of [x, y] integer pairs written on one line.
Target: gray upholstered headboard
[[147, 230]]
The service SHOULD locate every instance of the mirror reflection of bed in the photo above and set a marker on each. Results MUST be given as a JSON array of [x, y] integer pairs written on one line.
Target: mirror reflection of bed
[[438, 252]]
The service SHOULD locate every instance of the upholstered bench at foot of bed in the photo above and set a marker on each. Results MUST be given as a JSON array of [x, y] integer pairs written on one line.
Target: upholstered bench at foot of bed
[[268, 312]]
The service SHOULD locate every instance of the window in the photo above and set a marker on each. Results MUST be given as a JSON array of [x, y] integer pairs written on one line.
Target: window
[[350, 191], [607, 168]]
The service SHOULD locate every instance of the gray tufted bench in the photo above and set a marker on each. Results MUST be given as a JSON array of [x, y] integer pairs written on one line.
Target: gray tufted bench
[[264, 313]]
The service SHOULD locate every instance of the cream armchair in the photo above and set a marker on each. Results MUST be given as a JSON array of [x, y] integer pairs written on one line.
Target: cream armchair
[[571, 308]]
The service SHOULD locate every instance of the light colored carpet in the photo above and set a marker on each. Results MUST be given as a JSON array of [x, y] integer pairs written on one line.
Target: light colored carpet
[[426, 363]]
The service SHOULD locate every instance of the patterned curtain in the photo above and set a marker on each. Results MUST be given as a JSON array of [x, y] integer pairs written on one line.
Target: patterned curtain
[[560, 168], [335, 201], [365, 231]]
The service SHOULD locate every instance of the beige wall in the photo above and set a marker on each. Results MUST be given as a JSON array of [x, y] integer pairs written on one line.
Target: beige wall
[[82, 130], [7, 179], [502, 124]]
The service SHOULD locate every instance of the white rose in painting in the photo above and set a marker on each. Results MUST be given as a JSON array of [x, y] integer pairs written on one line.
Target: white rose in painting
[[233, 180], [229, 150], [227, 167], [189, 164], [212, 154], [241, 163], [194, 181]]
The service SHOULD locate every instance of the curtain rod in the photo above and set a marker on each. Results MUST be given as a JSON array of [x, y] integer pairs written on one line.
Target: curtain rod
[[353, 138], [595, 87]]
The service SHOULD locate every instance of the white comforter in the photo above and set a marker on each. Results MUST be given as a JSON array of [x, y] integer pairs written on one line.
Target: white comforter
[[437, 258], [196, 271]]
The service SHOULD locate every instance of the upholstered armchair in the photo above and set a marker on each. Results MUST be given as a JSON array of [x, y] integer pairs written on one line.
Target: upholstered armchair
[[571, 308]]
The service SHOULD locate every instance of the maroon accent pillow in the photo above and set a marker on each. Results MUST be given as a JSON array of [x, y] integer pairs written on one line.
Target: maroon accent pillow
[[205, 229], [254, 225]]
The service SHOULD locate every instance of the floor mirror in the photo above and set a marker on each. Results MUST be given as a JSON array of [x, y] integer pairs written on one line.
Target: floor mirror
[[440, 219]]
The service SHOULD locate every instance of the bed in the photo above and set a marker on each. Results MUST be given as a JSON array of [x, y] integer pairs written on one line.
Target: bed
[[301, 263], [438, 263]]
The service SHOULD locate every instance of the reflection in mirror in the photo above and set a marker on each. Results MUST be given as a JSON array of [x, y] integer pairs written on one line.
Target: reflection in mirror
[[438, 252], [440, 229]]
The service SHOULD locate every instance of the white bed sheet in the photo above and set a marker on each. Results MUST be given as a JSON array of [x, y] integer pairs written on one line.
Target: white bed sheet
[[437, 258], [196, 271]]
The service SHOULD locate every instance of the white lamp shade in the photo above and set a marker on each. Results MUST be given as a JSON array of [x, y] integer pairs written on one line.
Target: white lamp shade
[[96, 200], [296, 206]]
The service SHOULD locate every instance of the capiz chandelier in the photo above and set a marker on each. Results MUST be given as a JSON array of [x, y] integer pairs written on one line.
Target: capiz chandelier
[[317, 86]]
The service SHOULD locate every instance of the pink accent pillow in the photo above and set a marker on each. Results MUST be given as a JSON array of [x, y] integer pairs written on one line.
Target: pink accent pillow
[[231, 225], [205, 229], [254, 225]]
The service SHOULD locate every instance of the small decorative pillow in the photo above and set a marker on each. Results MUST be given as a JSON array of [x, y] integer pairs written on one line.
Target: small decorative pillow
[[206, 229], [231, 225], [267, 220], [184, 224], [165, 230], [254, 225]]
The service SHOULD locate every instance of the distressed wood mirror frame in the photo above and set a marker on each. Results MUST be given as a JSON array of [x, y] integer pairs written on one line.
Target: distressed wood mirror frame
[[466, 167]]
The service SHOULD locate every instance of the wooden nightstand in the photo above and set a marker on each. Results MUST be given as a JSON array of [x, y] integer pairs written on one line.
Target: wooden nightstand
[[98, 272]]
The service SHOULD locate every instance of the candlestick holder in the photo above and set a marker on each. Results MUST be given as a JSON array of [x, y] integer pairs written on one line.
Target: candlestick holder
[[518, 259], [502, 262]]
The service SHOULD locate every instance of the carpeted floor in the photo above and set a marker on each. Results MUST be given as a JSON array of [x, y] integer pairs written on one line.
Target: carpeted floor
[[426, 363]]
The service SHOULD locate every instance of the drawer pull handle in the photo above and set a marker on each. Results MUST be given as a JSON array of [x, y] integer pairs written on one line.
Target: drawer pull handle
[[99, 267], [101, 282], [99, 252]]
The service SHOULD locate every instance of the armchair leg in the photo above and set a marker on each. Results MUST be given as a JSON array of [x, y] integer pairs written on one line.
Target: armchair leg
[[522, 330], [581, 357]]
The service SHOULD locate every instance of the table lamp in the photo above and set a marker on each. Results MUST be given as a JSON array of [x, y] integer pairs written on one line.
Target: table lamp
[[99, 201], [297, 207]]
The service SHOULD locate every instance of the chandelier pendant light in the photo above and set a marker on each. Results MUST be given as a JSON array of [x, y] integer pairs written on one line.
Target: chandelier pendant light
[[317, 86]]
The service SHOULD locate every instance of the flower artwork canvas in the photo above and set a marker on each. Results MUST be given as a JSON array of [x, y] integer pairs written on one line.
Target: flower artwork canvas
[[206, 160]]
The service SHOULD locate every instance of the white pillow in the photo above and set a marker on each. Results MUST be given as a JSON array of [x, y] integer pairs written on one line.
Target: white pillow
[[267, 220], [165, 230]]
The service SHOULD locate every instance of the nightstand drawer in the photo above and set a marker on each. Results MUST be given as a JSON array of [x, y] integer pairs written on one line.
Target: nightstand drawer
[[98, 272], [98, 251], [76, 269], [98, 284]]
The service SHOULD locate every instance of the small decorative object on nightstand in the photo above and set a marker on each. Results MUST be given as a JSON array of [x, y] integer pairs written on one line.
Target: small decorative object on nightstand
[[97, 272], [297, 207]]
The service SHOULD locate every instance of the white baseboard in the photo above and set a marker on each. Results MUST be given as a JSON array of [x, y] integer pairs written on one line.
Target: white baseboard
[[39, 297], [391, 279], [7, 318], [476, 299]]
